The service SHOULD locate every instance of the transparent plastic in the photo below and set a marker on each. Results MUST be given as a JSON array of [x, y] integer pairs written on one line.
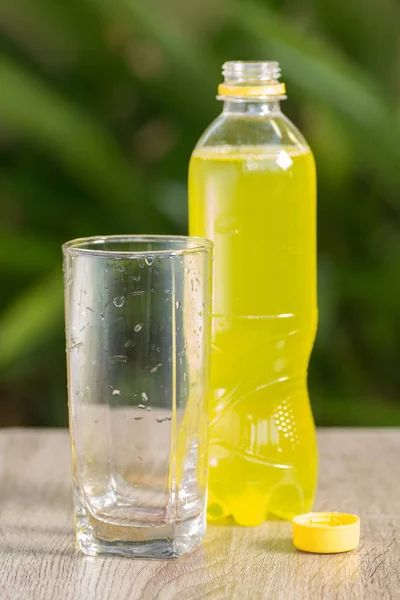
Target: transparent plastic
[[258, 80], [137, 325], [255, 72], [252, 190]]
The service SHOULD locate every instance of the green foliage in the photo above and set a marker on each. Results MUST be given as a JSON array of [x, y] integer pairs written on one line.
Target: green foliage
[[101, 103], [29, 318]]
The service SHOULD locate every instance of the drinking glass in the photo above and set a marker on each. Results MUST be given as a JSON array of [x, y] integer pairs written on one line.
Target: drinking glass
[[138, 335]]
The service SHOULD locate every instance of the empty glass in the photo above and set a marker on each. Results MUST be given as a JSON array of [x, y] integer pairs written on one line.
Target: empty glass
[[138, 335]]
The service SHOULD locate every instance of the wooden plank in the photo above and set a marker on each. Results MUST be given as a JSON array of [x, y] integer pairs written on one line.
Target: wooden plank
[[360, 473]]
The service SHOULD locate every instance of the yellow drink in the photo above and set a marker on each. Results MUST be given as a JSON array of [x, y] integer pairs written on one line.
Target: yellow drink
[[258, 205]]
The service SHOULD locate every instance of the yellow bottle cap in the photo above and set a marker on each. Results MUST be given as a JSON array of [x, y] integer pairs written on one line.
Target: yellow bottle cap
[[326, 532]]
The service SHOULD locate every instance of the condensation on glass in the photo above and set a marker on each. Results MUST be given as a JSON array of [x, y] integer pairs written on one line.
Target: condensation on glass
[[137, 327]]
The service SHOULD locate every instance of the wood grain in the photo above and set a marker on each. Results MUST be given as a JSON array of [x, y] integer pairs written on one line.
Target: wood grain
[[359, 472]]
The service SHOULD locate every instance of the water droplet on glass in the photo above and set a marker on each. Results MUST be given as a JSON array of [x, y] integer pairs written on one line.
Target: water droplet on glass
[[119, 301], [158, 349], [177, 304], [149, 260], [138, 327], [88, 387], [119, 358], [154, 369], [129, 344], [76, 345], [137, 293], [144, 397], [116, 393]]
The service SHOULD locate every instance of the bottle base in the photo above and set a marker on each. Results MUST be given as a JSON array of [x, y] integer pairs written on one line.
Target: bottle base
[[256, 503]]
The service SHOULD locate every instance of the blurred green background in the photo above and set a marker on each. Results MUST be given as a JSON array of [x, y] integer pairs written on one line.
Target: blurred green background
[[101, 103]]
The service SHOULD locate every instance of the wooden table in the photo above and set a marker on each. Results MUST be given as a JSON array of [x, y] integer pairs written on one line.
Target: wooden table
[[359, 473]]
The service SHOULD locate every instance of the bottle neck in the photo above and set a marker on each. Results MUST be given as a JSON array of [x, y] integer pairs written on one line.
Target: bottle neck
[[250, 108]]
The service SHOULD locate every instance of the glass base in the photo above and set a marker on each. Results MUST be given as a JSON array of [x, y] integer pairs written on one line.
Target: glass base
[[168, 541]]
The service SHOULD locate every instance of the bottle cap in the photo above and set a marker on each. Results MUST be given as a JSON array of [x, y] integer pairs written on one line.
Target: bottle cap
[[326, 532]]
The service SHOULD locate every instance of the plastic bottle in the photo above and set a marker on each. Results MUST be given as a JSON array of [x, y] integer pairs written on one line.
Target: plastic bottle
[[252, 190]]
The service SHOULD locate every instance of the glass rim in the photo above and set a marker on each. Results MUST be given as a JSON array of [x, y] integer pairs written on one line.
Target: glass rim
[[194, 244]]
